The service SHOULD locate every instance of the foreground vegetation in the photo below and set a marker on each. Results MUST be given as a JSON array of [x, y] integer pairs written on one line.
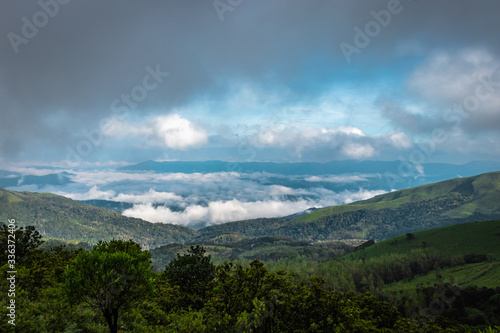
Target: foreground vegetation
[[114, 288]]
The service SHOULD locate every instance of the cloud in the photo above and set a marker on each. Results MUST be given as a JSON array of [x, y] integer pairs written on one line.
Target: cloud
[[151, 196], [177, 133], [358, 151], [217, 211], [342, 142], [31, 170], [93, 194], [465, 83], [222, 211], [168, 131], [455, 94], [105, 177], [451, 77], [191, 215], [212, 198], [65, 78], [336, 179], [399, 140]]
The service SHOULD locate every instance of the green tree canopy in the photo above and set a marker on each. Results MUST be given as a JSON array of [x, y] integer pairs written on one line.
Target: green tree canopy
[[26, 240], [193, 273], [109, 278]]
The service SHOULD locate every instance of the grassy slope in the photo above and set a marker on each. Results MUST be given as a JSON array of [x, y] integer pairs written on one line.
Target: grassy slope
[[485, 274], [475, 237], [485, 188], [59, 217]]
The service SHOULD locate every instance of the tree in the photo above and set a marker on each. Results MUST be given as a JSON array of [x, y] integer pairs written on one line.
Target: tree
[[26, 240], [193, 273], [110, 278], [410, 236]]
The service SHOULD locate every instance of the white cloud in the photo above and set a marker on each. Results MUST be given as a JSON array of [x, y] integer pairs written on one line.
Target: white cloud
[[211, 198], [175, 132], [191, 215], [93, 194], [31, 171], [358, 151], [168, 131], [102, 177], [118, 127], [361, 195], [399, 140], [336, 179], [349, 130], [342, 142], [222, 211], [218, 211], [149, 197]]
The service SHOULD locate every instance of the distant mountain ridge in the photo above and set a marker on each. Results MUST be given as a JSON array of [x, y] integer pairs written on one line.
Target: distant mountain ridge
[[391, 172], [14, 179], [306, 168]]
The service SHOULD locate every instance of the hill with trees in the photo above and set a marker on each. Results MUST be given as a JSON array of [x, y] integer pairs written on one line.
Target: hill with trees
[[65, 219], [388, 215]]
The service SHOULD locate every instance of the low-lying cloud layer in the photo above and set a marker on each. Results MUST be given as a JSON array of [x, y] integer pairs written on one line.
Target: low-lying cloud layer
[[197, 199]]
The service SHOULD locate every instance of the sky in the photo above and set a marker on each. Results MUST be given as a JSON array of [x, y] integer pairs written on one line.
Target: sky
[[104, 84], [100, 81]]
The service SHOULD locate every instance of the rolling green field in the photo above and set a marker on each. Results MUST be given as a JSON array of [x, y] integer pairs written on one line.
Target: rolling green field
[[461, 239], [457, 240], [485, 274]]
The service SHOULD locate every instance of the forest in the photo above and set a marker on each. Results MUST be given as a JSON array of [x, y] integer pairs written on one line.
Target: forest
[[113, 288]]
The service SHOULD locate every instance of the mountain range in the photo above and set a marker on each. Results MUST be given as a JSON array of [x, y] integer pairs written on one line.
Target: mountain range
[[428, 206], [434, 205], [394, 174]]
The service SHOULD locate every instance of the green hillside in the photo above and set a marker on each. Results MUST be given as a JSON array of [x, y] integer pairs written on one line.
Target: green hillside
[[461, 239], [406, 268], [65, 219], [266, 248], [388, 215], [481, 195], [477, 242]]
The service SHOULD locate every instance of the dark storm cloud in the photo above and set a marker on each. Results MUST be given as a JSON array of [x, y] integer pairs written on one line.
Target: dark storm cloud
[[404, 120], [66, 76]]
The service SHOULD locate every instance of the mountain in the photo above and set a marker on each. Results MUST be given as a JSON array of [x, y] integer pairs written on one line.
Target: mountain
[[434, 205], [108, 204], [13, 179], [62, 218], [428, 206], [390, 173], [310, 168]]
